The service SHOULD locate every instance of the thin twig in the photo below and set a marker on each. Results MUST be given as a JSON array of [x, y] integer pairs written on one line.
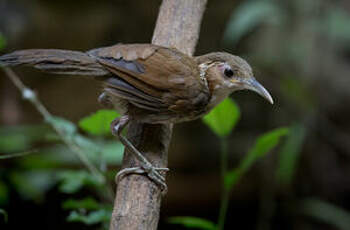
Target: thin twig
[[30, 95], [13, 155]]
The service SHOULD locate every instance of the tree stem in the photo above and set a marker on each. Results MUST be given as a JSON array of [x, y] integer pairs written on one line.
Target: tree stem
[[225, 195], [137, 202]]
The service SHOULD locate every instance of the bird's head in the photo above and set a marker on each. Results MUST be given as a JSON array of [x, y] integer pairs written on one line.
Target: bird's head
[[227, 73]]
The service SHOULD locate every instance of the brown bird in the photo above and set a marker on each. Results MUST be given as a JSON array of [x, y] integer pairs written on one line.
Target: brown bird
[[149, 83]]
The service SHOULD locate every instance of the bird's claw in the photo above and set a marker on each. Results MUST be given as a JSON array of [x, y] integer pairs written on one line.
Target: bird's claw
[[115, 127], [152, 172], [146, 167]]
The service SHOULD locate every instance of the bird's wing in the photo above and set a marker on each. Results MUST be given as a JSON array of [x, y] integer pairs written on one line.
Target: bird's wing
[[153, 77]]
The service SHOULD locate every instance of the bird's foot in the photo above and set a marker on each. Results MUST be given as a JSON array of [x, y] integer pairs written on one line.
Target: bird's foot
[[118, 125], [153, 173]]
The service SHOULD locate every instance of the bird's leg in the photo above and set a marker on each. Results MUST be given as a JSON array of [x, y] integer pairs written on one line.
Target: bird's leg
[[152, 172]]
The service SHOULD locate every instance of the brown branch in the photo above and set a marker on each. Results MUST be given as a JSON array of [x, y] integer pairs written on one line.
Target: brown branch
[[137, 202]]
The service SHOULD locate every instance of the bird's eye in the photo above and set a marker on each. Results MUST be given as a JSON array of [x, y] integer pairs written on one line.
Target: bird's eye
[[228, 72]]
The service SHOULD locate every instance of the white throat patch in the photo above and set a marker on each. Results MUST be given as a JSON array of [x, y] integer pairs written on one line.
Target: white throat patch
[[203, 71]]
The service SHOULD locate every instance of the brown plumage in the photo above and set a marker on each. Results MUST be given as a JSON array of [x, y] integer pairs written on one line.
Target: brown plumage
[[152, 84], [149, 83]]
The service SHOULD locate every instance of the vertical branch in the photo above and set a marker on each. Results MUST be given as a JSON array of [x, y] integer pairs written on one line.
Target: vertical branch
[[137, 202], [178, 24]]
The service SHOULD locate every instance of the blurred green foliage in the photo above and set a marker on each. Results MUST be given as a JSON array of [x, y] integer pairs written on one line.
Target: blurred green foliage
[[93, 217], [193, 222], [289, 154], [32, 184], [325, 212], [48, 165], [263, 145], [88, 211], [337, 26], [223, 118], [249, 15], [71, 181], [298, 93], [4, 193], [24, 137], [88, 203], [305, 45], [2, 42], [99, 122]]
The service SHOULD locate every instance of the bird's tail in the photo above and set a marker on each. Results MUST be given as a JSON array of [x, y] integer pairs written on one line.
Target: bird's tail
[[55, 61]]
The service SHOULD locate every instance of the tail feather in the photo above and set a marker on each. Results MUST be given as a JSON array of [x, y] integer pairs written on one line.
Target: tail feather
[[55, 61]]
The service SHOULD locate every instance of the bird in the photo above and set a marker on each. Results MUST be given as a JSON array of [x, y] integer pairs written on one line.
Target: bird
[[149, 84]]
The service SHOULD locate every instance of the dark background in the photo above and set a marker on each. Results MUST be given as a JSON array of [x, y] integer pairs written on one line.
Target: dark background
[[299, 50]]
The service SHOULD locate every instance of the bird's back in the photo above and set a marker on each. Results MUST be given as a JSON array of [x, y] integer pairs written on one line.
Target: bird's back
[[160, 84]]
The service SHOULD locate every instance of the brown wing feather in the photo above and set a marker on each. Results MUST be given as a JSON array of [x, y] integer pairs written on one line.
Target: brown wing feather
[[162, 73]]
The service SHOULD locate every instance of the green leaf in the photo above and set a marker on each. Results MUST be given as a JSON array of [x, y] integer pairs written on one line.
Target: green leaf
[[112, 152], [101, 151], [94, 217], [88, 145], [99, 122], [72, 181], [88, 203], [326, 212], [4, 213], [193, 222], [248, 16], [264, 144], [232, 177], [223, 118], [289, 154], [267, 141]]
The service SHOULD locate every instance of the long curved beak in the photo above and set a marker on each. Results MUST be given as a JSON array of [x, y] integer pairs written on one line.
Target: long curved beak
[[255, 86]]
